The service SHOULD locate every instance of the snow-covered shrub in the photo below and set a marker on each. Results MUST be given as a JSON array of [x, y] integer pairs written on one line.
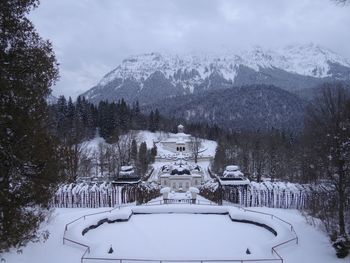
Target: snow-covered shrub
[[342, 246]]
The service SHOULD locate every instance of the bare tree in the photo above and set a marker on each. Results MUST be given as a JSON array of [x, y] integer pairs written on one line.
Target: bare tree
[[102, 158], [259, 159], [195, 145], [328, 121], [72, 154], [123, 146], [112, 160], [86, 162], [95, 162]]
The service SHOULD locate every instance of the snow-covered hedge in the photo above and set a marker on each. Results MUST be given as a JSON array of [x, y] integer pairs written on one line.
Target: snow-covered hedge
[[103, 194], [269, 194]]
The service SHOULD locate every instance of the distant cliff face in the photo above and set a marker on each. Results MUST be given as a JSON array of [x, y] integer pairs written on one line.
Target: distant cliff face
[[152, 77]]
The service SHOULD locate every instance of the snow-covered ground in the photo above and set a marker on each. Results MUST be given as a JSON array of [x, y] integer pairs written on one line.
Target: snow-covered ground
[[176, 236], [208, 146], [182, 234], [52, 251], [179, 236]]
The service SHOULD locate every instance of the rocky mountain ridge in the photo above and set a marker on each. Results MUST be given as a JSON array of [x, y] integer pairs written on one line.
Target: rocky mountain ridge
[[155, 76]]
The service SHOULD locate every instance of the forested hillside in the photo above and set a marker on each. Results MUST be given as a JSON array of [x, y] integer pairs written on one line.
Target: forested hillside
[[249, 108]]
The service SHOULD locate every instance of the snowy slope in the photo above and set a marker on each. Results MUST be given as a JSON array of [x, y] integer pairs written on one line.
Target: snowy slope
[[151, 77], [151, 138], [208, 146], [192, 70], [308, 60]]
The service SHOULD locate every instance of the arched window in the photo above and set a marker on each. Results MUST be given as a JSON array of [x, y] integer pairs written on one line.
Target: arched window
[[177, 148], [183, 148]]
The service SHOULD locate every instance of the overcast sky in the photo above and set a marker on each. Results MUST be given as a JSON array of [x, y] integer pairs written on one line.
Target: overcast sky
[[91, 37]]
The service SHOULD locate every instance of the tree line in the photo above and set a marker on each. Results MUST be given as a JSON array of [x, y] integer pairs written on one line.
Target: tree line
[[319, 154], [74, 123]]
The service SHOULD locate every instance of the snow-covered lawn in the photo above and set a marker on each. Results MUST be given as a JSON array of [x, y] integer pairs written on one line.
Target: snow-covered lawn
[[179, 236], [52, 251]]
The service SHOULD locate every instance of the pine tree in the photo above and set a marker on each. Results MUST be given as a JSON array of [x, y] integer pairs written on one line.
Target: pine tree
[[107, 121], [151, 125], [123, 115], [142, 159], [154, 151], [61, 116], [220, 157], [29, 164], [70, 120], [156, 120], [133, 152]]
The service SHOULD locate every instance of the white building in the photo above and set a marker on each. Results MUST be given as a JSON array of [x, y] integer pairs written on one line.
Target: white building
[[233, 176], [179, 142], [127, 172], [180, 176]]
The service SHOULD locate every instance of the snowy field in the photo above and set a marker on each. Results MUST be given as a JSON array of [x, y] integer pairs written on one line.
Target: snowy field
[[179, 236]]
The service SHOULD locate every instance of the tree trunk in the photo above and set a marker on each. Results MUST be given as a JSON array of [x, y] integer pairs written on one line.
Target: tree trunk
[[342, 200]]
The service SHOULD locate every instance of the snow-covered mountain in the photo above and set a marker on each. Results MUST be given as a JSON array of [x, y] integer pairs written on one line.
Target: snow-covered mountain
[[154, 76]]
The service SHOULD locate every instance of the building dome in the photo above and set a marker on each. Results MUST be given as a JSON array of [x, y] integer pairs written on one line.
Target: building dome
[[180, 128]]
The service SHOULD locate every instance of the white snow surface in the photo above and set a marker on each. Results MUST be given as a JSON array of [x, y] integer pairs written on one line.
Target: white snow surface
[[163, 235], [165, 190], [194, 190], [305, 59]]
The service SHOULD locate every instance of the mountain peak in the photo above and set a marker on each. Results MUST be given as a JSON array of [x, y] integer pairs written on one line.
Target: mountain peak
[[293, 67]]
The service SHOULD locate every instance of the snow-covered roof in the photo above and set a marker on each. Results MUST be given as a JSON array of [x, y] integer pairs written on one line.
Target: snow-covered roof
[[232, 168], [126, 168], [180, 168], [232, 171], [126, 173], [243, 181], [178, 138], [232, 174]]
